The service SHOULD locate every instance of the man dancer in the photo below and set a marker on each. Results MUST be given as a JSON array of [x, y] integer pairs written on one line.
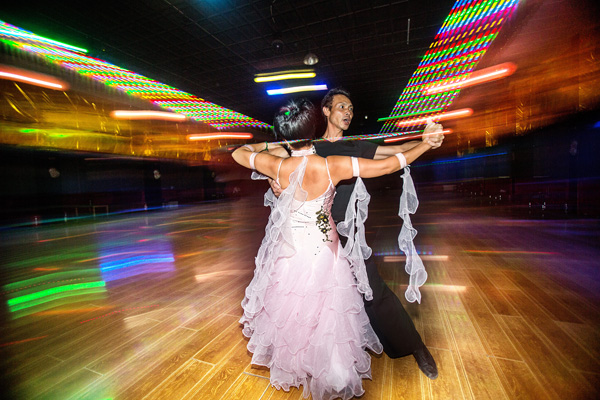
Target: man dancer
[[391, 322]]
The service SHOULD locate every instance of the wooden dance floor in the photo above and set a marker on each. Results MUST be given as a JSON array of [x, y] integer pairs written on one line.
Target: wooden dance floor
[[145, 305]]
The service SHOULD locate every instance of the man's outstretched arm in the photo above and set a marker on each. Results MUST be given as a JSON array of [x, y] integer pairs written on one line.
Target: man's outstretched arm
[[432, 135]]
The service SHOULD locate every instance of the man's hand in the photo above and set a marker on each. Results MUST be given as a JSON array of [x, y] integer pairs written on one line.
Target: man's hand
[[275, 187], [433, 135]]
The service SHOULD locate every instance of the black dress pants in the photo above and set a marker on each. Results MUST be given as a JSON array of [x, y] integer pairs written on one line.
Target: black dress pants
[[389, 319]]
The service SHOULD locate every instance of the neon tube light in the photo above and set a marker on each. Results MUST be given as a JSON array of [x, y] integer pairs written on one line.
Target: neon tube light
[[295, 89], [281, 77]]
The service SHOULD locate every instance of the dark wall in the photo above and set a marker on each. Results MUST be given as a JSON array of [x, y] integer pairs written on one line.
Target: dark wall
[[48, 184]]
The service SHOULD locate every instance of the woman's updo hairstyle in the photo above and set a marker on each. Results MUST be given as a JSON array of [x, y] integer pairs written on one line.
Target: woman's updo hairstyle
[[295, 122]]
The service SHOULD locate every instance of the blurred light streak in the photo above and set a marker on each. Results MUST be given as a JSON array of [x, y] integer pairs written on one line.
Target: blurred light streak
[[123, 256], [549, 253], [40, 284], [423, 257], [23, 341], [410, 114], [462, 113], [461, 159], [46, 269], [129, 82], [147, 114], [282, 75], [196, 229], [116, 312], [463, 39], [8, 29], [449, 288], [214, 275], [397, 139], [227, 135], [47, 295], [296, 89], [71, 311], [32, 78], [139, 265], [475, 78]]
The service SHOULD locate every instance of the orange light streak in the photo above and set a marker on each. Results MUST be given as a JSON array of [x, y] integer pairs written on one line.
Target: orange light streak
[[147, 114], [23, 341], [477, 77], [463, 112], [32, 78], [397, 139], [225, 135], [71, 311]]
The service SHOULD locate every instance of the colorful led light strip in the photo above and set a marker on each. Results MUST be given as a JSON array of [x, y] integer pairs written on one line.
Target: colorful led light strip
[[463, 39], [136, 85]]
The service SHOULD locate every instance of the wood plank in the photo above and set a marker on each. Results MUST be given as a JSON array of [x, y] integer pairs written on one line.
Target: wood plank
[[214, 351], [482, 377], [451, 382], [181, 382], [569, 351], [224, 375], [558, 312], [491, 294], [490, 333], [406, 379], [247, 387], [181, 353], [519, 382], [541, 359], [463, 331]]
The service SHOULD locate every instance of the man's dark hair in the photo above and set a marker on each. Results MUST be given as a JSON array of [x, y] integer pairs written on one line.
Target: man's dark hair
[[296, 122], [328, 99]]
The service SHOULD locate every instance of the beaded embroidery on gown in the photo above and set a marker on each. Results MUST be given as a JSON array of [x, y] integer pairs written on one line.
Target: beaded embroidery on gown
[[303, 311]]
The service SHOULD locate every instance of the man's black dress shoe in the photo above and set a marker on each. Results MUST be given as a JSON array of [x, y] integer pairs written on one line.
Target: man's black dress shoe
[[426, 362]]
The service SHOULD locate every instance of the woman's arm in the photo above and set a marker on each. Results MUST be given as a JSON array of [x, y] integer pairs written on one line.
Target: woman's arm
[[264, 163], [432, 135], [342, 166]]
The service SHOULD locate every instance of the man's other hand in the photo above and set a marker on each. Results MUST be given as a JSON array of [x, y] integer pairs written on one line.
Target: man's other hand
[[432, 135], [275, 187]]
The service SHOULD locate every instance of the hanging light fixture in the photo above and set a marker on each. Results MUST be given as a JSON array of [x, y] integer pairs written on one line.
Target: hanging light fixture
[[311, 59]]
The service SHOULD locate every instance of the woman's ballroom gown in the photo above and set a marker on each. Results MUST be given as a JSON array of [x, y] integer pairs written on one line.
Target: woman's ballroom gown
[[303, 311]]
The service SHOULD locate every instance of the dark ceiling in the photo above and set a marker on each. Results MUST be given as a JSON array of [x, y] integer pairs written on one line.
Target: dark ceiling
[[213, 48]]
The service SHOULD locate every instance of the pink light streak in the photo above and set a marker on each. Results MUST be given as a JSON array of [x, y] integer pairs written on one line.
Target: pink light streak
[[226, 135], [476, 78], [463, 112]]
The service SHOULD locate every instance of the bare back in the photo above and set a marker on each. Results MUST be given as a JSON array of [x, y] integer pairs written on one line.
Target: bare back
[[316, 178]]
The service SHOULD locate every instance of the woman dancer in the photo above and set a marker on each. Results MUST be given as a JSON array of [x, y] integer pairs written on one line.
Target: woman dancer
[[303, 310]]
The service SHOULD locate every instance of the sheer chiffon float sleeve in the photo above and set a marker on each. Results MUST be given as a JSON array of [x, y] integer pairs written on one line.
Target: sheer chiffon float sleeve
[[357, 250], [353, 228], [414, 265], [276, 244]]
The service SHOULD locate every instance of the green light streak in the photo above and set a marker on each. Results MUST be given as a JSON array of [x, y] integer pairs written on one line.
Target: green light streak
[[44, 296]]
